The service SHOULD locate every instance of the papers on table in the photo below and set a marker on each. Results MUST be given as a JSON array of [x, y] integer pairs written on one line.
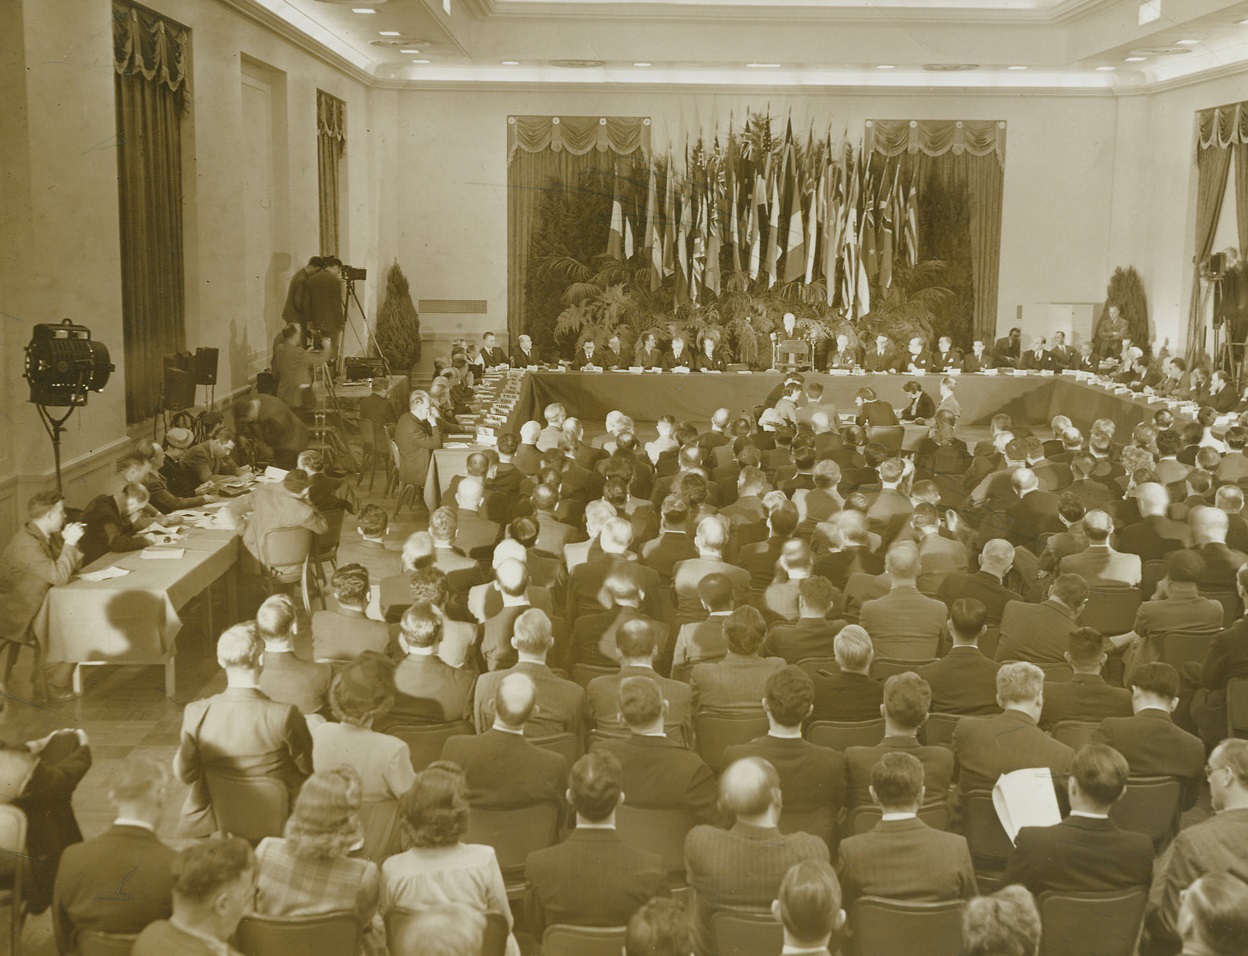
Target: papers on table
[[274, 474], [163, 554], [105, 574], [1025, 798], [158, 538]]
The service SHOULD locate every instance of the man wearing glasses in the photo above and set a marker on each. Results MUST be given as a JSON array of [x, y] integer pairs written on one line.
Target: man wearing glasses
[[1219, 844]]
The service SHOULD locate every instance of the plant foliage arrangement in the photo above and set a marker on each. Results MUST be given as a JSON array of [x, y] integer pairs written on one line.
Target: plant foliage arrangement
[[398, 323]]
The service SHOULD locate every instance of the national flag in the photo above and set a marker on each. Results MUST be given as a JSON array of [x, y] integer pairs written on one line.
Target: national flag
[[772, 257], [758, 200], [628, 239], [886, 206], [815, 215], [912, 226], [833, 223], [615, 237], [794, 251], [682, 234], [734, 230], [863, 287], [669, 229], [868, 251], [653, 236], [849, 269], [713, 242]]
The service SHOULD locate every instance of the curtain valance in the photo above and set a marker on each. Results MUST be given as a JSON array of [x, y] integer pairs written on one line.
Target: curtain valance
[[148, 45], [936, 137], [331, 117], [1222, 127], [578, 134]]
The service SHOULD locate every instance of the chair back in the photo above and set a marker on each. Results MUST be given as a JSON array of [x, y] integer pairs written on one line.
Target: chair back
[[1237, 707], [656, 831], [745, 934], [513, 834], [839, 734], [938, 816], [1179, 647], [368, 434], [395, 458], [718, 730], [584, 673], [887, 927], [987, 839], [937, 731], [326, 544], [1065, 919], [1074, 733], [283, 551], [564, 940], [12, 842], [250, 807], [94, 943], [493, 941], [1151, 805], [1232, 609], [989, 640], [1150, 576], [425, 741], [882, 668], [567, 744], [817, 821], [890, 436], [1111, 610], [325, 934]]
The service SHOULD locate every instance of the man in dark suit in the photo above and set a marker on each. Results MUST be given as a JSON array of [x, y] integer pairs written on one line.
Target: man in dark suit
[[592, 878], [811, 777], [1007, 350], [491, 354], [984, 748], [346, 631], [760, 558], [704, 640], [528, 458], [594, 638], [239, 731], [1154, 535], [904, 624], [901, 857], [1041, 632], [985, 585], [738, 682], [1086, 852], [964, 681], [475, 535], [287, 678], [417, 434], [503, 771], [872, 411], [881, 357], [1085, 697], [561, 702], [128, 855], [585, 581], [742, 868], [907, 699], [1037, 357], [848, 692], [552, 534], [525, 354], [1034, 514], [659, 773], [977, 359], [1151, 742], [811, 635], [674, 542], [1209, 529], [853, 552], [1226, 658], [427, 689], [636, 643]]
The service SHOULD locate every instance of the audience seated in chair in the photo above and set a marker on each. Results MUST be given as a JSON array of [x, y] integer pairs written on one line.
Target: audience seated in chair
[[711, 539], [705, 640], [595, 637], [811, 634], [847, 691], [345, 631], [1086, 697], [485, 601], [964, 681], [428, 690], [287, 678], [808, 906], [1006, 923], [1040, 633], [738, 682], [904, 624], [636, 642], [282, 504], [1213, 917]]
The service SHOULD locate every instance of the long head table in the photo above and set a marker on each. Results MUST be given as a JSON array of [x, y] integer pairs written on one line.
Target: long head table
[[1030, 398]]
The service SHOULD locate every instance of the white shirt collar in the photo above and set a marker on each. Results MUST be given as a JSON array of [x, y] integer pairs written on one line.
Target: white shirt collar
[[1090, 816], [131, 822], [898, 816]]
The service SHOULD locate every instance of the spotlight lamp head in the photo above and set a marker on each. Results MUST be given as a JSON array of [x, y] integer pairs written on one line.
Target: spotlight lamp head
[[63, 364]]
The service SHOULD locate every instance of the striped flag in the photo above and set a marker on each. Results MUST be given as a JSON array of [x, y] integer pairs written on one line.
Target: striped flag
[[773, 233], [615, 237], [756, 216], [669, 228], [912, 226], [849, 269], [794, 245], [863, 287], [886, 206], [653, 236]]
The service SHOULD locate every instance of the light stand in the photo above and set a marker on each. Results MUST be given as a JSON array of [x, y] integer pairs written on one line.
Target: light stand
[[62, 365]]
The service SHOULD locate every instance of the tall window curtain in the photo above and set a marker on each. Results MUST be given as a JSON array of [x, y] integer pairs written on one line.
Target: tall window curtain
[[331, 143], [545, 152], [968, 156], [150, 57], [1220, 131]]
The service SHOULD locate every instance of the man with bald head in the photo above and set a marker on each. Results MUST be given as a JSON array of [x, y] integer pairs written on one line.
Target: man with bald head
[[717, 435], [711, 539], [586, 580], [511, 585], [1034, 514], [904, 624], [1209, 529], [503, 771], [486, 600], [594, 636], [1100, 565], [1155, 535], [597, 514], [552, 534], [742, 868], [639, 650], [555, 415], [475, 534], [528, 457]]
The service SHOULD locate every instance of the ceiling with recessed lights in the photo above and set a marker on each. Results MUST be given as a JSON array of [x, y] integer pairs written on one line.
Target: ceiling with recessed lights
[[1023, 44]]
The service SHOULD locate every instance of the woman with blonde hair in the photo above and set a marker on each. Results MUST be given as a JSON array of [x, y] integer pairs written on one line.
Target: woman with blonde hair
[[360, 693], [439, 868], [310, 870]]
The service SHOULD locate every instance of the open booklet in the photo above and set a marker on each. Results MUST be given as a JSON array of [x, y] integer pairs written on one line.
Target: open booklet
[[1026, 798]]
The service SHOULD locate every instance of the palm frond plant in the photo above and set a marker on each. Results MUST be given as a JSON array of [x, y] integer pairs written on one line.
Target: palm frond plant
[[911, 305]]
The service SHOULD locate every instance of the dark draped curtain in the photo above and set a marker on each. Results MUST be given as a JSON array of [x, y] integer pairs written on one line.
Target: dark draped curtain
[[555, 152], [331, 143], [150, 56], [1220, 132], [967, 157]]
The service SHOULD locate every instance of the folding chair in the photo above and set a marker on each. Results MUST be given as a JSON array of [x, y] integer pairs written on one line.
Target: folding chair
[[373, 449], [94, 943], [1232, 609], [717, 731], [1111, 610], [564, 940], [405, 489], [1074, 733], [325, 545], [839, 734], [937, 731], [1066, 919], [584, 673], [1180, 647], [425, 741], [1151, 805], [938, 816], [285, 555], [989, 844], [325, 934], [250, 807], [817, 821], [745, 934], [14, 871], [1237, 707], [892, 437], [656, 831], [567, 744], [882, 668], [513, 834], [888, 927]]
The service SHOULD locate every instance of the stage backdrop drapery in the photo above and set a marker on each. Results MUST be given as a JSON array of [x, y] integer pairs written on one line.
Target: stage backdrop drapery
[[553, 151], [968, 155], [1219, 130], [151, 83], [331, 143]]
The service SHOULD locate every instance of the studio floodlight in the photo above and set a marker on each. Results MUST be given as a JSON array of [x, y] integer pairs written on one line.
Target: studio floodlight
[[63, 364]]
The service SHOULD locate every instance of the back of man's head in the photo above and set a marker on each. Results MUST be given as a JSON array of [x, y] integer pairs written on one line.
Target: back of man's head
[[532, 633], [1086, 649], [1006, 923], [421, 625], [512, 577], [635, 640], [617, 535], [1156, 683], [809, 902], [853, 649], [514, 699], [240, 647], [783, 519], [350, 585], [443, 524], [715, 592], [1070, 589], [137, 779], [712, 533], [966, 619], [1208, 525], [1097, 525], [907, 698], [275, 619], [817, 595], [1019, 682], [789, 696], [661, 927], [902, 562], [641, 701], [1214, 915], [897, 781], [594, 785], [1100, 773], [749, 787], [744, 630]]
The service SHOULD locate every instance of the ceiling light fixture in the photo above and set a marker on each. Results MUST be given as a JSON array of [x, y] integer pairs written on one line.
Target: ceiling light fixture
[[763, 66], [511, 62], [388, 33], [363, 10], [1106, 69], [1016, 67], [1136, 59], [410, 52], [1243, 23], [641, 64], [885, 66], [1187, 42], [420, 61]]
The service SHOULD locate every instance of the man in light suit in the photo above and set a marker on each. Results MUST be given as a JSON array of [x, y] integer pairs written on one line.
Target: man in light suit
[[555, 415], [1100, 565], [711, 539], [742, 868], [1085, 697], [635, 641], [1041, 632], [901, 857], [964, 681], [128, 855], [502, 769], [239, 731], [904, 624], [287, 678], [561, 702], [907, 699], [280, 505], [738, 682], [592, 878], [984, 748], [427, 689], [346, 631], [1086, 852]]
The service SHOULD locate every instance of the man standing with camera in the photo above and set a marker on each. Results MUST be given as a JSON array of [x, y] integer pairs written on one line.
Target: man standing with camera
[[326, 311]]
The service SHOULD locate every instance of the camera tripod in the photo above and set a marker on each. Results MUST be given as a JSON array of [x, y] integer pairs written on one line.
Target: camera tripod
[[349, 296]]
